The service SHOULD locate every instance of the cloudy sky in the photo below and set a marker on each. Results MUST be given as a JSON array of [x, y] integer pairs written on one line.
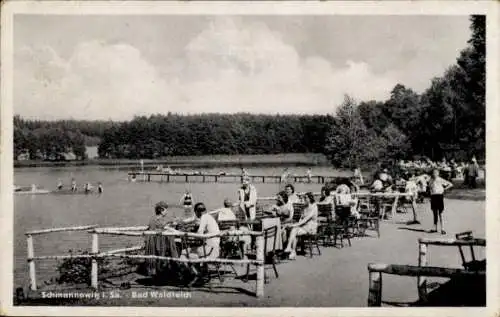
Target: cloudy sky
[[115, 67]]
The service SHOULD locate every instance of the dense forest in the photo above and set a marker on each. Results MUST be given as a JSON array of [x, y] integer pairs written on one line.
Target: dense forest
[[446, 120], [51, 139]]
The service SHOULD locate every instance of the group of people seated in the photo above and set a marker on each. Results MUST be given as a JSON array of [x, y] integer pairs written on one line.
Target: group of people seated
[[205, 222]]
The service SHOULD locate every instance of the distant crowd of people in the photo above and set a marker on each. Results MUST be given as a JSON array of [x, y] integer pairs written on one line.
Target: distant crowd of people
[[469, 171]]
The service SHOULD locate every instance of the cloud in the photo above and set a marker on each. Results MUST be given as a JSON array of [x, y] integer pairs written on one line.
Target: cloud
[[230, 66]]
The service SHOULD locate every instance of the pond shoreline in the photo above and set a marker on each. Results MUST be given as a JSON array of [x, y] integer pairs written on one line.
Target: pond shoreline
[[202, 161]]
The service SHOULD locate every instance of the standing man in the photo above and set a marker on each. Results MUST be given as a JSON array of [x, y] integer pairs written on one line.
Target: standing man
[[248, 198], [473, 173], [358, 177], [244, 174], [309, 175]]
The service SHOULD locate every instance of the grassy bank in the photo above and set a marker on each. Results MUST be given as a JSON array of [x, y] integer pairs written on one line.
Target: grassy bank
[[296, 159]]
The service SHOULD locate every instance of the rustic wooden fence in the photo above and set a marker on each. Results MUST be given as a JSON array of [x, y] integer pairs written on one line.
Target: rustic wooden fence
[[422, 271], [140, 231]]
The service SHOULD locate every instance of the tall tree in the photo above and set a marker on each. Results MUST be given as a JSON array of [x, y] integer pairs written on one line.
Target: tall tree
[[348, 141]]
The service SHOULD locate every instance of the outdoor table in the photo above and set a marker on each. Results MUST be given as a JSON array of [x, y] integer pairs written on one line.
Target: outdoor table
[[396, 196]]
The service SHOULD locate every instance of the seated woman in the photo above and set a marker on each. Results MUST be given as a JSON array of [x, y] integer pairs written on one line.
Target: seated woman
[[283, 208], [292, 196], [159, 244], [325, 197], [308, 224], [344, 203], [377, 185]]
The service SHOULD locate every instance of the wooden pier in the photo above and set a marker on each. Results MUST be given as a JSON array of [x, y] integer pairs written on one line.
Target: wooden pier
[[149, 176]]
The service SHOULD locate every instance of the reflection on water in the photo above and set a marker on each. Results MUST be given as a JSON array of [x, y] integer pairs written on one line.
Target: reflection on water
[[122, 204]]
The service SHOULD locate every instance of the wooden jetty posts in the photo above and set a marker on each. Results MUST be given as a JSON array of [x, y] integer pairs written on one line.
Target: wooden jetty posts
[[422, 271], [149, 176], [141, 231]]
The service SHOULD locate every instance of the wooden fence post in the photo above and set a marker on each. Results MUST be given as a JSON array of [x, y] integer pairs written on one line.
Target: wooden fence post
[[95, 250], [375, 289], [260, 266], [422, 280], [31, 262]]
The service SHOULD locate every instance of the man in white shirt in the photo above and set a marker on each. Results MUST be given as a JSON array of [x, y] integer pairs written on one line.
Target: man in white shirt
[[208, 225], [226, 213]]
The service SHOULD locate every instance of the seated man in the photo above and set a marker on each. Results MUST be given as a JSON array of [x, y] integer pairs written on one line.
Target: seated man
[[208, 225], [226, 213]]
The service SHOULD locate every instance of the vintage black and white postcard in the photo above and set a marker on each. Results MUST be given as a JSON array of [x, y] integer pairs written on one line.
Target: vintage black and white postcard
[[210, 158]]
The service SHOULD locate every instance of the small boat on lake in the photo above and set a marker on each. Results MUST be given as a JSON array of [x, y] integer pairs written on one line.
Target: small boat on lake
[[29, 190]]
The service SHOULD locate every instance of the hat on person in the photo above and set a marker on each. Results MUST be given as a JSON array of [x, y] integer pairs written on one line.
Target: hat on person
[[161, 204]]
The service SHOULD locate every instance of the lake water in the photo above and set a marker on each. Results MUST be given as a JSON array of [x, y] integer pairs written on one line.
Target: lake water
[[122, 204]]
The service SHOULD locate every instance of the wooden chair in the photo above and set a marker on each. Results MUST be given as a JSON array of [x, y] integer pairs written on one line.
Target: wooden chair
[[326, 227], [385, 206], [227, 224], [364, 206], [473, 264], [309, 242], [270, 234], [240, 215], [341, 227], [231, 247], [259, 212], [188, 243], [298, 210]]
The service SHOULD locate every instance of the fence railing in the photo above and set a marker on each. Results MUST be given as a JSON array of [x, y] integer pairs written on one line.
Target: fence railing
[[140, 231], [422, 271]]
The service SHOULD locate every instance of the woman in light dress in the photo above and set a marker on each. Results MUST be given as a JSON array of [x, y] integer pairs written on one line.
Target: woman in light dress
[[308, 224]]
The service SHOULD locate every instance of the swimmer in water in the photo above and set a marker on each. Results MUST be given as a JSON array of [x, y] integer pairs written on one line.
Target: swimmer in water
[[99, 188], [59, 185], [88, 188], [73, 185], [187, 202]]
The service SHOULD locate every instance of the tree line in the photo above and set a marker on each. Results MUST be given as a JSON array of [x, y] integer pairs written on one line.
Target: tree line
[[39, 139], [447, 119]]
